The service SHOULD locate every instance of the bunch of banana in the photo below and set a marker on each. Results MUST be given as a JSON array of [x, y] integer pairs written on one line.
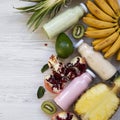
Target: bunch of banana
[[104, 26]]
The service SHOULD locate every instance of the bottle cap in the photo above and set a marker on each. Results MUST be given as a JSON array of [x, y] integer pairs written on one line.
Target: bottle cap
[[78, 43], [84, 7], [91, 73]]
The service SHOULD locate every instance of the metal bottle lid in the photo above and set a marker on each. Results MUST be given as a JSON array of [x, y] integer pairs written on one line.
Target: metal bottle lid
[[78, 43], [91, 73], [84, 7]]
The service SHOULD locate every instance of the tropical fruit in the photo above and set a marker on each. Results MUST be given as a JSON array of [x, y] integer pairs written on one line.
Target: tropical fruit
[[104, 26], [99, 103]]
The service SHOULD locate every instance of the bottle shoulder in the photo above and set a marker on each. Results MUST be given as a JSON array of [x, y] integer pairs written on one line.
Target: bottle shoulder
[[84, 78]]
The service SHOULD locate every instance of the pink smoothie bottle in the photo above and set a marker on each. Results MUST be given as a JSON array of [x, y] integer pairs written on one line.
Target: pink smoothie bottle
[[77, 86]]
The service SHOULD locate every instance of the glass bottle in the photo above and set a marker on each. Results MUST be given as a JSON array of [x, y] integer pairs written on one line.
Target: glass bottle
[[76, 87], [64, 20]]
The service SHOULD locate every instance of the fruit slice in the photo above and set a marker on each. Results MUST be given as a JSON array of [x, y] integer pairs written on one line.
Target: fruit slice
[[64, 116], [54, 83], [61, 73], [99, 103], [48, 107], [78, 31]]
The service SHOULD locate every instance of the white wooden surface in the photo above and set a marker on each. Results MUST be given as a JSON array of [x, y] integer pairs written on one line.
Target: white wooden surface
[[22, 54]]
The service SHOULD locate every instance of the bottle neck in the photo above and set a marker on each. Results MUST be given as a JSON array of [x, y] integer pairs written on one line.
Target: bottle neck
[[79, 11], [88, 76], [85, 79]]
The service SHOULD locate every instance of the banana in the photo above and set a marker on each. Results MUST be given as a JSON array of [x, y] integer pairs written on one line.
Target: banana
[[115, 47], [98, 12], [104, 26], [100, 33], [114, 5], [106, 49], [91, 29], [98, 23], [108, 41], [90, 15], [96, 41], [105, 7], [118, 55]]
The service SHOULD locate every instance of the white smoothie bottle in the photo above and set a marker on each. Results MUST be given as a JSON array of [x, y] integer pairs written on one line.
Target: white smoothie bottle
[[97, 62], [64, 20], [76, 87]]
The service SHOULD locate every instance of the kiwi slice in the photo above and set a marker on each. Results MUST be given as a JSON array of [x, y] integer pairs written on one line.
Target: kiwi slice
[[48, 107], [78, 31]]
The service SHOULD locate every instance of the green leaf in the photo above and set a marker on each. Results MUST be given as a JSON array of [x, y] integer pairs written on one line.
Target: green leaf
[[40, 92], [26, 9], [34, 17], [40, 10], [54, 10], [39, 20], [44, 68], [37, 15]]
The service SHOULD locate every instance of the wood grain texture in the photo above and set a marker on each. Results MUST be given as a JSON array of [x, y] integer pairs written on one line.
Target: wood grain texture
[[22, 55]]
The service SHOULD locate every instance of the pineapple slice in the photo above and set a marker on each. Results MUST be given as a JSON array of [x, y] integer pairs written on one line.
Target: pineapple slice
[[98, 103]]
